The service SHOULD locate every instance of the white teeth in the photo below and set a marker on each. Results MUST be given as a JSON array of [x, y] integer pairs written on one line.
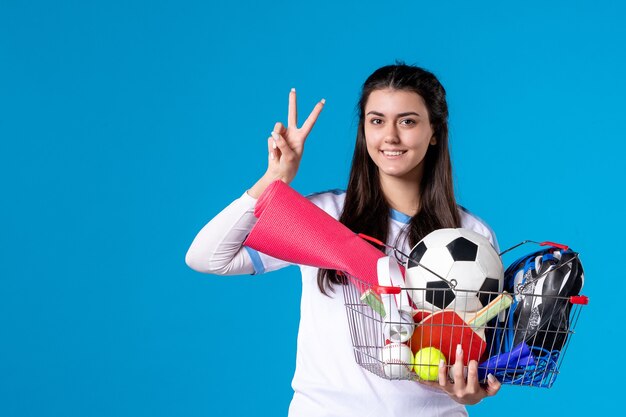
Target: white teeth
[[396, 153]]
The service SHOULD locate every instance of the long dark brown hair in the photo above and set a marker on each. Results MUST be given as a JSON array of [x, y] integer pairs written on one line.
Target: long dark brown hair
[[366, 209]]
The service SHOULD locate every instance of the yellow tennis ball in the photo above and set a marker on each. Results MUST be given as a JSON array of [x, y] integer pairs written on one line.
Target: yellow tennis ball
[[426, 364]]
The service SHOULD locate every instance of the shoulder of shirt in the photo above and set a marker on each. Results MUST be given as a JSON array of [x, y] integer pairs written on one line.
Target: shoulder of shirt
[[472, 222], [331, 201]]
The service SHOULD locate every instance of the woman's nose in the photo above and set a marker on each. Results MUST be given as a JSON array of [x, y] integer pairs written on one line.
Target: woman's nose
[[391, 134]]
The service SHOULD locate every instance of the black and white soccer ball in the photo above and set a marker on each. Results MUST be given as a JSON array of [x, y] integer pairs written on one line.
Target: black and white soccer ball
[[459, 255]]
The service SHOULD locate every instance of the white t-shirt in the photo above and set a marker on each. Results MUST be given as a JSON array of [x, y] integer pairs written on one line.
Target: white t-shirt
[[327, 381]]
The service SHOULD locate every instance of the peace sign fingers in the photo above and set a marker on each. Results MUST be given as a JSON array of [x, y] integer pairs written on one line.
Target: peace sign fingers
[[286, 144], [292, 116], [310, 121], [297, 136]]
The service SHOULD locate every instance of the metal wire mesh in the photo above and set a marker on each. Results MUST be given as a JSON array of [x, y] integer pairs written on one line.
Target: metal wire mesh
[[515, 354]]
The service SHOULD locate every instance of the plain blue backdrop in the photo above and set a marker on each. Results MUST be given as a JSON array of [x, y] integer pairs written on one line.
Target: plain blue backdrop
[[125, 126]]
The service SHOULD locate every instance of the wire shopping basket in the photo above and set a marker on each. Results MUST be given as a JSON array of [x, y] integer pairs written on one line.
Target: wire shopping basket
[[520, 336]]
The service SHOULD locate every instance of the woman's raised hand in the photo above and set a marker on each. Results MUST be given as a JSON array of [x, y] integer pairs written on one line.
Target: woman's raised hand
[[286, 145]]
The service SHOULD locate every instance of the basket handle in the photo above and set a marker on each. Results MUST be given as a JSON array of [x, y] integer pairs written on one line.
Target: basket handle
[[383, 289], [579, 299], [371, 239], [545, 243], [556, 245]]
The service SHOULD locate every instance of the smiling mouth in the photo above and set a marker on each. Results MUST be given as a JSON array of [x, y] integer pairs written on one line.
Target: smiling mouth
[[393, 153]]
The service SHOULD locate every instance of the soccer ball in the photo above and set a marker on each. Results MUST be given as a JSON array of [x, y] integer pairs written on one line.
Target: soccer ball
[[459, 255]]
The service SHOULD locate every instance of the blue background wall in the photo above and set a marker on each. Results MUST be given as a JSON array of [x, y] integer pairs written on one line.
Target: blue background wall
[[125, 126]]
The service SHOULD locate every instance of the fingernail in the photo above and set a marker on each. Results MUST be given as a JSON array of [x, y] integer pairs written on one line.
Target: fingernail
[[491, 378], [293, 90], [275, 136], [271, 155], [323, 101], [459, 349], [442, 363], [274, 145]]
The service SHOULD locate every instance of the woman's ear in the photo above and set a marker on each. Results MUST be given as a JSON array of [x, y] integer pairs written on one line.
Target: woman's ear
[[433, 140]]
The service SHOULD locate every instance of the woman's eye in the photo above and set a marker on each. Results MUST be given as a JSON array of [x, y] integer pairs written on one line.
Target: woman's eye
[[376, 121], [408, 122]]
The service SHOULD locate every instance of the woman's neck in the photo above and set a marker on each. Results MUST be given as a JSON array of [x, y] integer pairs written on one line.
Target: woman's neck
[[402, 194]]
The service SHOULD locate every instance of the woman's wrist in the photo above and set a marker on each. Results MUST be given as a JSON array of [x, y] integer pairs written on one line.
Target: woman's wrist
[[257, 189]]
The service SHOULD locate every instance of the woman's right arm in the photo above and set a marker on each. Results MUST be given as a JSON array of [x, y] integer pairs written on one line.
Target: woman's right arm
[[218, 247]]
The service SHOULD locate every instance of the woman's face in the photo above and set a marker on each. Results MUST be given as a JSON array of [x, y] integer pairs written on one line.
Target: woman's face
[[397, 132]]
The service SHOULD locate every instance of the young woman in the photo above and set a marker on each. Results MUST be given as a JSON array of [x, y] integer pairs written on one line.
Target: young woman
[[399, 190]]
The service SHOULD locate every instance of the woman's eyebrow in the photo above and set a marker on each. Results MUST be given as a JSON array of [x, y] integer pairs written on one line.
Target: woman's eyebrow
[[409, 113]]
